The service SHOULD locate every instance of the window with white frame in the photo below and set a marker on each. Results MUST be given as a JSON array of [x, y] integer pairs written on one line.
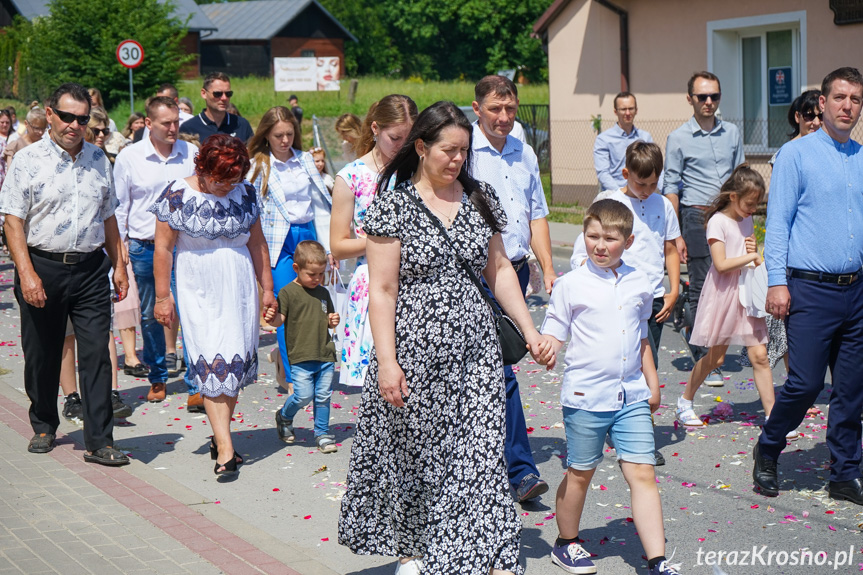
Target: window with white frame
[[760, 62]]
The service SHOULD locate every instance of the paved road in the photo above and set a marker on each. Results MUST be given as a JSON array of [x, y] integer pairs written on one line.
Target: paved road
[[282, 509]]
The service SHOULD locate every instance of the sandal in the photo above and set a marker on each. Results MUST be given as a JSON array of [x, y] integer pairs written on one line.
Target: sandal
[[326, 444], [214, 452], [688, 417], [41, 443], [107, 456]]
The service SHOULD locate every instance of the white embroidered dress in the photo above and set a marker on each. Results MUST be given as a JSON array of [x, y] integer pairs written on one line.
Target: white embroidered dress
[[216, 289]]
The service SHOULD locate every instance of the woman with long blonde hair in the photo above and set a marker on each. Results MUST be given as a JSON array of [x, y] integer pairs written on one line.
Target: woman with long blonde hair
[[294, 205], [384, 131]]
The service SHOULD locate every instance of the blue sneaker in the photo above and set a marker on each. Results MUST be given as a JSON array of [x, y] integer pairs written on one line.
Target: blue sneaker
[[664, 568], [530, 487], [573, 558]]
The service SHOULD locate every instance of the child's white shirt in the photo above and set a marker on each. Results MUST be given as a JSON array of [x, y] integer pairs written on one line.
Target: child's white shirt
[[606, 317], [654, 223]]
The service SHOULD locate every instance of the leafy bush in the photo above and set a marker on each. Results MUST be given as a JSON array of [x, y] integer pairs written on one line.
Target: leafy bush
[[77, 42]]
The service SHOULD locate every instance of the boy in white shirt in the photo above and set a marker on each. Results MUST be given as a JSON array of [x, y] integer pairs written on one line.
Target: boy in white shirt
[[610, 385], [655, 228]]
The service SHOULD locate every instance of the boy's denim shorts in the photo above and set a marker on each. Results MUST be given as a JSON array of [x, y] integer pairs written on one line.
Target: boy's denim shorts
[[630, 428]]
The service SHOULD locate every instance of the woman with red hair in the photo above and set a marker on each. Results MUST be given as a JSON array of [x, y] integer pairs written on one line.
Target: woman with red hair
[[212, 217]]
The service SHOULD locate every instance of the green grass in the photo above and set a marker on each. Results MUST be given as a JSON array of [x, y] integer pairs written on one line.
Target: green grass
[[253, 96]]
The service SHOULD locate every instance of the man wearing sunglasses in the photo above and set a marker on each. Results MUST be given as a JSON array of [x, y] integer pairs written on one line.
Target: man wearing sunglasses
[[215, 118], [699, 157], [59, 200]]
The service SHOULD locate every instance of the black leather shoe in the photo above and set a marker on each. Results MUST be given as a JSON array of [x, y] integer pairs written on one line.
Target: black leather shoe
[[847, 490], [764, 474]]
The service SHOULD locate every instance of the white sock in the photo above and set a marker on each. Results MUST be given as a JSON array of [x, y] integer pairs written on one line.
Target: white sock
[[683, 403]]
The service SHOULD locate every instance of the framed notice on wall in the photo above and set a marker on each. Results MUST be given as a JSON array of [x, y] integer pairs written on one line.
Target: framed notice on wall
[[306, 74]]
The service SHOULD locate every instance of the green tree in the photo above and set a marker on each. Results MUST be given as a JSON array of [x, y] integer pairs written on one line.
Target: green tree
[[77, 42], [375, 53]]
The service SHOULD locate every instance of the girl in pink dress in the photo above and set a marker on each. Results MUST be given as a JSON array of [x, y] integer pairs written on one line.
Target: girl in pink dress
[[722, 320]]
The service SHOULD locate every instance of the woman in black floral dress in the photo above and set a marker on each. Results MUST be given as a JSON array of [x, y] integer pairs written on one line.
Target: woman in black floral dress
[[427, 479]]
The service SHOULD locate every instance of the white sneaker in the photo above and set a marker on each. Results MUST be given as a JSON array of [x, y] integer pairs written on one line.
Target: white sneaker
[[714, 379], [411, 567]]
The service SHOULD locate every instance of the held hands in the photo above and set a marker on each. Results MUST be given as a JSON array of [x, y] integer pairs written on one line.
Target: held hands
[[333, 319], [163, 311], [542, 349], [269, 306], [392, 383]]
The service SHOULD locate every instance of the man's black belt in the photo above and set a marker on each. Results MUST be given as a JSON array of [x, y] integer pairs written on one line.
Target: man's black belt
[[143, 241], [838, 279], [69, 258], [518, 264]]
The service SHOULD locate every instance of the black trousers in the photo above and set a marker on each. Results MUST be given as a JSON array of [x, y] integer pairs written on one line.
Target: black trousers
[[698, 260], [80, 292]]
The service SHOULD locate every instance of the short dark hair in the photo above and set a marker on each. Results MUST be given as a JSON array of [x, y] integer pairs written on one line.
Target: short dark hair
[[500, 86], [293, 97], [850, 75], [78, 92], [213, 76], [157, 102], [610, 214], [644, 159], [170, 88], [624, 94], [703, 74], [309, 252]]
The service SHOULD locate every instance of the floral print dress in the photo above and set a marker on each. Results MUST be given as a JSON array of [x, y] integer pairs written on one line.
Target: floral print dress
[[429, 479], [357, 337]]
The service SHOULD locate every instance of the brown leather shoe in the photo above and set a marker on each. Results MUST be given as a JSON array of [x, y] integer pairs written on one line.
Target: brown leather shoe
[[156, 393], [195, 404]]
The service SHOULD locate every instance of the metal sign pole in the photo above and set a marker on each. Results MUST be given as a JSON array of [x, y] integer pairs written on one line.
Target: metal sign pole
[[131, 94]]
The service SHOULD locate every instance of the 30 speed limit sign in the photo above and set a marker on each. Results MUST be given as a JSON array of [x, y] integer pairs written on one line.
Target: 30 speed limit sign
[[130, 54]]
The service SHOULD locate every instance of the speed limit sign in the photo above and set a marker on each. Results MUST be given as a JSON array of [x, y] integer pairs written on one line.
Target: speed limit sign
[[130, 54]]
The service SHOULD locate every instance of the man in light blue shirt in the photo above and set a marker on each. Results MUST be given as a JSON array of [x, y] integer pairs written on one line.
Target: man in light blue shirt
[[699, 156], [814, 255], [609, 149], [510, 166]]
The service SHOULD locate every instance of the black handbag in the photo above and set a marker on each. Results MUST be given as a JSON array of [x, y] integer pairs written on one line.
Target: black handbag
[[512, 344]]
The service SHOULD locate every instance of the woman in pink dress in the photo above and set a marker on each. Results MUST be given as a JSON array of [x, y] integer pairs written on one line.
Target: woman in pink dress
[[722, 320]]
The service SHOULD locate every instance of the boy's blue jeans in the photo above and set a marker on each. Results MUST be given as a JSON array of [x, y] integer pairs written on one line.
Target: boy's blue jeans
[[312, 380]]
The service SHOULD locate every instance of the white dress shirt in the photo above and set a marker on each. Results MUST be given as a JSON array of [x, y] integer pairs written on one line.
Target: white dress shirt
[[606, 316], [140, 176], [514, 175], [63, 202], [295, 183], [654, 223]]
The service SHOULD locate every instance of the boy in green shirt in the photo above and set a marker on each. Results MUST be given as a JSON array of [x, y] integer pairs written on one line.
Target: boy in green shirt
[[307, 311]]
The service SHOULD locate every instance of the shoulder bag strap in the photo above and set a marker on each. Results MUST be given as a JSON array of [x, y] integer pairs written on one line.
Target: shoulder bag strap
[[464, 265]]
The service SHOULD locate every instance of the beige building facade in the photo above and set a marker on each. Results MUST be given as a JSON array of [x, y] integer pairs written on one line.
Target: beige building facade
[[763, 52]]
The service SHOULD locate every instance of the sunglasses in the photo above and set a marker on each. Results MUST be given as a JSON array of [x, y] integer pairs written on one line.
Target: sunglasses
[[219, 93], [103, 131], [810, 115], [703, 97], [68, 118]]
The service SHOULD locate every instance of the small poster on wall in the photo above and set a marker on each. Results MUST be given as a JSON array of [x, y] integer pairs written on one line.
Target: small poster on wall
[[306, 74]]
